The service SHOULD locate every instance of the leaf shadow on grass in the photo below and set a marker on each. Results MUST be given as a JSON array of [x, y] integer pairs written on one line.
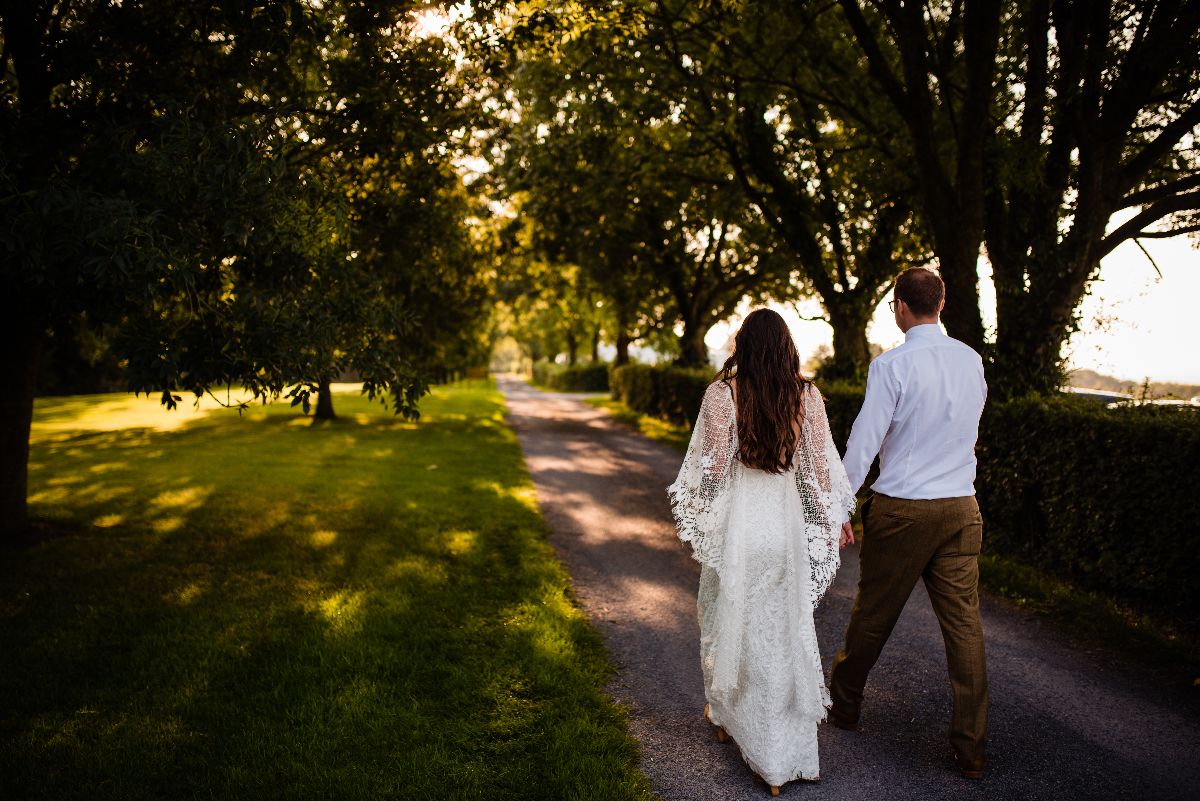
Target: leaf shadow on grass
[[260, 608]]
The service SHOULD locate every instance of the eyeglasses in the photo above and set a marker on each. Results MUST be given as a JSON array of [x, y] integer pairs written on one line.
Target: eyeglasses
[[892, 305]]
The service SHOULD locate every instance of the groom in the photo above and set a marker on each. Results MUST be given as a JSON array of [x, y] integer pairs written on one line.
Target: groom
[[921, 415]]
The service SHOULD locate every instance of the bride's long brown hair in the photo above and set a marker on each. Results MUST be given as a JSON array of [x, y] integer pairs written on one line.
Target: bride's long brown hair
[[769, 393]]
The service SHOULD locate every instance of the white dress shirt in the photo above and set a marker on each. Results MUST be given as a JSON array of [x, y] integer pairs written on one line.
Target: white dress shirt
[[921, 415]]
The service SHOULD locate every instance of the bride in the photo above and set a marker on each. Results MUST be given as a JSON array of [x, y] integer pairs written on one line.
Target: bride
[[762, 498]]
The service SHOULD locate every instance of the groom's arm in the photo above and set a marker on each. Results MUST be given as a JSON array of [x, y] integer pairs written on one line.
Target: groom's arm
[[872, 423]]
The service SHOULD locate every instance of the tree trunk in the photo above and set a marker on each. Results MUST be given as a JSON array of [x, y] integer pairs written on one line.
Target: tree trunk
[[572, 349], [1033, 325], [1028, 359], [596, 346], [23, 344], [960, 272], [324, 402], [851, 351], [692, 350], [622, 356]]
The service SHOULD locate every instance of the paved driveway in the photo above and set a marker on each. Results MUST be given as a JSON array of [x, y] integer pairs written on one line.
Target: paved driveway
[[1066, 723]]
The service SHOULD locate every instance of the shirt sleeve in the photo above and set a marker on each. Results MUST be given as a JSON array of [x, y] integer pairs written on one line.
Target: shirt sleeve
[[872, 423]]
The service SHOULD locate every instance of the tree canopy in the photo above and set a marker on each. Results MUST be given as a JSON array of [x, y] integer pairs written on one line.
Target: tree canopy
[[273, 194], [869, 137], [259, 194]]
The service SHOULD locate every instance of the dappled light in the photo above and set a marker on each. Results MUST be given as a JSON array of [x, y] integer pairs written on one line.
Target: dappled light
[[343, 611], [114, 413], [420, 569], [235, 572], [525, 495], [461, 542], [184, 499], [187, 594], [550, 643], [165, 525], [323, 538]]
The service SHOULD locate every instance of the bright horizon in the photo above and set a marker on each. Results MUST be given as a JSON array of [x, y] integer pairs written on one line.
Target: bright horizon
[[1153, 328]]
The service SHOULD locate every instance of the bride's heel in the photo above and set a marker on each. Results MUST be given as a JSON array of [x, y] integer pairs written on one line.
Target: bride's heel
[[722, 735], [774, 790]]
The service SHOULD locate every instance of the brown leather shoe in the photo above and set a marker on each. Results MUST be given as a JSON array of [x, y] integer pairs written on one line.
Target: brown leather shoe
[[970, 768], [843, 718]]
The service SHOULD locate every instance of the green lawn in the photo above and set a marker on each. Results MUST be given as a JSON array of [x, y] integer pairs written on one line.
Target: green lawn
[[255, 607]]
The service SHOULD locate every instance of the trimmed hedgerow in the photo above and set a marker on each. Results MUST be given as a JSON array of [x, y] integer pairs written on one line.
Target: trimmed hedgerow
[[672, 393], [1104, 498], [842, 404], [580, 378]]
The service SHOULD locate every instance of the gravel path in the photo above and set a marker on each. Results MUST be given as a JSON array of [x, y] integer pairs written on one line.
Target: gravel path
[[1066, 723]]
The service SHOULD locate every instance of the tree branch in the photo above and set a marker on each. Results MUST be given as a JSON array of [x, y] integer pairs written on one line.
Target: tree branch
[[1135, 226], [1149, 258], [1137, 166], [1187, 229], [1156, 193], [876, 62]]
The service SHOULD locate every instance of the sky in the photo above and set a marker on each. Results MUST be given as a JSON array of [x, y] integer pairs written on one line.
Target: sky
[[1135, 325]]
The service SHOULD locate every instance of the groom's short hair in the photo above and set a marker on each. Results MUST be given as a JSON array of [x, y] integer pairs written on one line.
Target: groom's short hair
[[922, 290]]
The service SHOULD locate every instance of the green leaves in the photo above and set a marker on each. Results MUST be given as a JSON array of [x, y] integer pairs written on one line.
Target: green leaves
[[259, 194]]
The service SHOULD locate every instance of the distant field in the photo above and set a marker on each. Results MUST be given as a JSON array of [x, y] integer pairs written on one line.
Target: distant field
[[256, 607], [1090, 379]]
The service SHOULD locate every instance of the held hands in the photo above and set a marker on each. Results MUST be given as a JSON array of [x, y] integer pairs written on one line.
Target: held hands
[[847, 537]]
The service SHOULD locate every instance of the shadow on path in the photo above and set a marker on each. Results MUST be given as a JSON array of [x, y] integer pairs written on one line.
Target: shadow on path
[[1065, 723]]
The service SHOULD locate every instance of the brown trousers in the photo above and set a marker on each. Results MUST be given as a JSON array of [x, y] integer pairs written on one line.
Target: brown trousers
[[938, 541]]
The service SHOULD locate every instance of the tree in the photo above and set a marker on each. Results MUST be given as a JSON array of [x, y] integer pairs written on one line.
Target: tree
[[1108, 119], [596, 154], [747, 83], [731, 94], [197, 199], [87, 144], [548, 307], [1031, 125], [386, 117]]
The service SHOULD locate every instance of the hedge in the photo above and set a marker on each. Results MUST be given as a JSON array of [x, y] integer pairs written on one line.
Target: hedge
[[1104, 498], [580, 378], [672, 393]]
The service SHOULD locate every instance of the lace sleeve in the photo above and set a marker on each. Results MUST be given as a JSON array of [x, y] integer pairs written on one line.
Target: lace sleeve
[[824, 493], [700, 494]]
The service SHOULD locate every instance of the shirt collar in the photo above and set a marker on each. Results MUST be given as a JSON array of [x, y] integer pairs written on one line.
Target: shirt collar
[[923, 330]]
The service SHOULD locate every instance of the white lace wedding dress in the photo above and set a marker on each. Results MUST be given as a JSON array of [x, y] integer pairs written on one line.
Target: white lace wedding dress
[[768, 546]]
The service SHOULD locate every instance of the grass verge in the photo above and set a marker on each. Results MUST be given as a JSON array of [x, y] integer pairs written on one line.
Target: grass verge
[[1093, 617], [257, 607], [1086, 615], [676, 436]]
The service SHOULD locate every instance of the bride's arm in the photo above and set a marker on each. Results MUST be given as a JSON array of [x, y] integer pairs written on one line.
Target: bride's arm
[[824, 492], [719, 439], [699, 496], [815, 429]]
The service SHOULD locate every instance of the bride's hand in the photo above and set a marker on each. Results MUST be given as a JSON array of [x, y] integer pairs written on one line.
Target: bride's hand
[[847, 537]]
